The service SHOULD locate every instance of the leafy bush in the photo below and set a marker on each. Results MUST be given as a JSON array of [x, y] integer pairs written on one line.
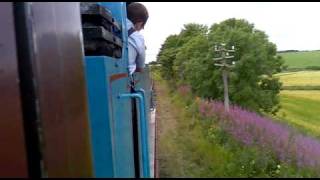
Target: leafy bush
[[186, 58]]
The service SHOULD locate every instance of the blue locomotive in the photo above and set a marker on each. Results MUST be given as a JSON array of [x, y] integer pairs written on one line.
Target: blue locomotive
[[116, 129], [66, 105]]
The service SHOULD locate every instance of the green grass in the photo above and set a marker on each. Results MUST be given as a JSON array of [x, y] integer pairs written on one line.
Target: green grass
[[300, 78], [301, 60], [300, 101], [301, 109], [197, 147]]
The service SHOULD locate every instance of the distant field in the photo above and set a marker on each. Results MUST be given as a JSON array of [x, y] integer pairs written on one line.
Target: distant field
[[308, 95], [301, 59], [300, 78], [301, 109]]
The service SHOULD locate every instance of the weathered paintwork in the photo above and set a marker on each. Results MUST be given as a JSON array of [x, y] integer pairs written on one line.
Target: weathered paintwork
[[56, 55], [13, 155]]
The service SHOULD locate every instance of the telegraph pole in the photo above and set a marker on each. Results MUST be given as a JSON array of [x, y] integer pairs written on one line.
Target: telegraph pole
[[225, 66], [225, 89]]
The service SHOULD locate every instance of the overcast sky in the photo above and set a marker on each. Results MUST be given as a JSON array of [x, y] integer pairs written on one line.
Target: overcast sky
[[290, 25]]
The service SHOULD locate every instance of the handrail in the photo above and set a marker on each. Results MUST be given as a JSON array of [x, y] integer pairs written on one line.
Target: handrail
[[144, 130], [143, 93]]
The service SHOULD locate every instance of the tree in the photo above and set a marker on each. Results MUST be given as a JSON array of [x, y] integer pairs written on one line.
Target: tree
[[195, 46], [166, 56], [171, 47], [188, 58], [251, 83]]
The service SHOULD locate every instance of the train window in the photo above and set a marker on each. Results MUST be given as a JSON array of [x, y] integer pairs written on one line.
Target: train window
[[101, 33]]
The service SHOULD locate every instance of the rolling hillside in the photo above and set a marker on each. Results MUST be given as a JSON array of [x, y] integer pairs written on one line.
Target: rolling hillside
[[301, 59]]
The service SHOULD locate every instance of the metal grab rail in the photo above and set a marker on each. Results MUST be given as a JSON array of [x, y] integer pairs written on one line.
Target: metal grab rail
[[143, 93], [143, 127]]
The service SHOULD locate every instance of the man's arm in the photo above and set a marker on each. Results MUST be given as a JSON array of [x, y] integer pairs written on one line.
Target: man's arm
[[140, 61]]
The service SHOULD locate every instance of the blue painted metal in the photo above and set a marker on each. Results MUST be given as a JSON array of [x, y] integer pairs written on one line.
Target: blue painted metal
[[99, 112], [143, 129], [144, 85], [111, 118], [119, 12], [122, 130]]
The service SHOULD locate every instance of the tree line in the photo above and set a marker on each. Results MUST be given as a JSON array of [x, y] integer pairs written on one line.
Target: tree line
[[187, 58]]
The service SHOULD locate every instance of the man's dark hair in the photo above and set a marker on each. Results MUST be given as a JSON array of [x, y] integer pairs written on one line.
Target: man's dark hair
[[137, 12]]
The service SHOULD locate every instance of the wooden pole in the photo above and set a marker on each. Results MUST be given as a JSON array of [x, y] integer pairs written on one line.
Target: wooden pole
[[225, 88]]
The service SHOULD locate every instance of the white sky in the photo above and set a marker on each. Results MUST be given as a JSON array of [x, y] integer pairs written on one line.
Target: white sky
[[290, 25]]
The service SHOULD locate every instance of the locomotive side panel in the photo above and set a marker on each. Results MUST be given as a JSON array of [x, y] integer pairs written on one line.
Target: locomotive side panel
[[13, 160]]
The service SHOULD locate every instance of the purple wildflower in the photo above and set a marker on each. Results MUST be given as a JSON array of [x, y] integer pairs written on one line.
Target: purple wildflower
[[250, 128]]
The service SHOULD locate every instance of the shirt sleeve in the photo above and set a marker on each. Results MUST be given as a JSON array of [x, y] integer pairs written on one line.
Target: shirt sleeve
[[141, 48], [132, 54]]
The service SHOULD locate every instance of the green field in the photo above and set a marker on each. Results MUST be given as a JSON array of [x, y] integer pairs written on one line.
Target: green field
[[301, 60], [300, 78], [300, 97], [190, 146], [301, 109]]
